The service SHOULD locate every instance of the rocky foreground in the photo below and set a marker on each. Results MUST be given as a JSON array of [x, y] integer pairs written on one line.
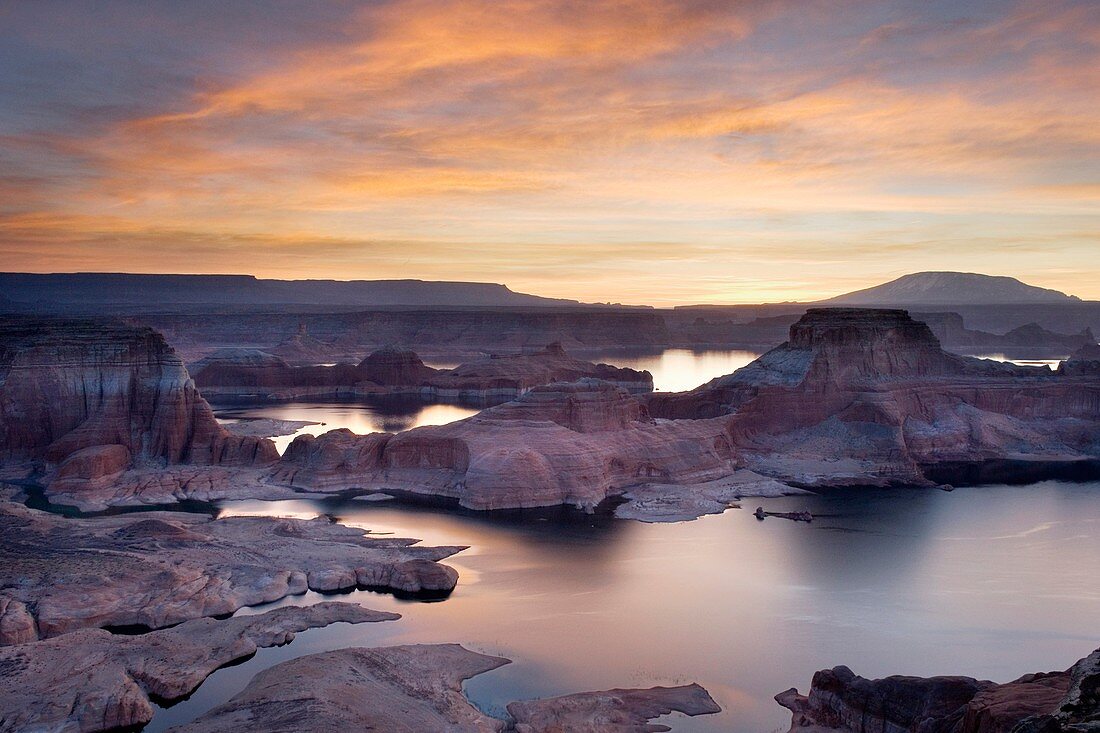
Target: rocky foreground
[[156, 569], [92, 680], [1053, 702], [237, 373], [419, 688]]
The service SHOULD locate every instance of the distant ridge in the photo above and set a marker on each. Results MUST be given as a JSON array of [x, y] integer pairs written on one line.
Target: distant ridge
[[110, 288], [952, 288]]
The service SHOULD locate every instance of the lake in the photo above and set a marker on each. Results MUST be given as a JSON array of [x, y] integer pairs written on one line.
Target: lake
[[991, 582]]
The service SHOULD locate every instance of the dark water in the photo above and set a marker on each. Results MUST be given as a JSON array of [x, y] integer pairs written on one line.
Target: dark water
[[990, 582]]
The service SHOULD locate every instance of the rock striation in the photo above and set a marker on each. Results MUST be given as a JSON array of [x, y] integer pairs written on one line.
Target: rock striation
[[575, 443], [155, 569], [92, 680], [409, 689], [391, 371], [1054, 702], [108, 396]]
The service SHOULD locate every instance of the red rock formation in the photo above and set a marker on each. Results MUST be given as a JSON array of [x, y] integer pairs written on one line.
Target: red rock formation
[[100, 394], [1053, 702]]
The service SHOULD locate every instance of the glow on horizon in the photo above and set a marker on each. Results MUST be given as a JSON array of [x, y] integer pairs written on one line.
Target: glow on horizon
[[639, 151]]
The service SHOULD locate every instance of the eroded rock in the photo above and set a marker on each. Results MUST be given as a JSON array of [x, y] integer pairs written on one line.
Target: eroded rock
[[611, 711], [1052, 702], [92, 680], [156, 569]]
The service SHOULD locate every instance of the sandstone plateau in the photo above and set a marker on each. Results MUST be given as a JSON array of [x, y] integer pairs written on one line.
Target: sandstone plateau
[[411, 689], [254, 374], [1053, 702]]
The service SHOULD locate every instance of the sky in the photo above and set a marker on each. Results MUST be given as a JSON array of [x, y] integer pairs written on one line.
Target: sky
[[630, 151]]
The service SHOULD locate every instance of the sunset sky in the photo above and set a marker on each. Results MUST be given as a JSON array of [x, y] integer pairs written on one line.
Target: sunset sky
[[638, 151]]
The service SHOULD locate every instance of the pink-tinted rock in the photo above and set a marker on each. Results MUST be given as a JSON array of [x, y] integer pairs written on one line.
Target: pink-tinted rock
[[1055, 702], [70, 385]]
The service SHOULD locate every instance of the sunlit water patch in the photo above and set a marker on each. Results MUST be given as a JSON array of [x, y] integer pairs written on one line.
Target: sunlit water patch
[[358, 416]]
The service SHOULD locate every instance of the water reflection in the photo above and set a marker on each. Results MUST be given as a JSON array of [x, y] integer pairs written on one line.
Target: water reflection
[[391, 415], [1019, 361], [676, 370], [990, 581]]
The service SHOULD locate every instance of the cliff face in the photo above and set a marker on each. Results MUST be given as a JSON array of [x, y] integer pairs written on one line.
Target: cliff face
[[1053, 702], [105, 390]]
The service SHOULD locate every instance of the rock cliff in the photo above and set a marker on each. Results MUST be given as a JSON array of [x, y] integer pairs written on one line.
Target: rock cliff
[[101, 392], [1054, 702]]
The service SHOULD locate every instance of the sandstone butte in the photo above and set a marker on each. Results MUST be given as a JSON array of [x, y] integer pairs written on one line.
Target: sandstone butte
[[840, 701], [236, 373], [855, 397]]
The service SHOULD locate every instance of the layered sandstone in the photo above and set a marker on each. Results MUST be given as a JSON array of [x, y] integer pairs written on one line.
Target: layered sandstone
[[92, 680], [156, 569], [1054, 702], [69, 387], [575, 443]]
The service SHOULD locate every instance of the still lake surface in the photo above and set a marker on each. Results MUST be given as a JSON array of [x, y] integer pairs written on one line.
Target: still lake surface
[[991, 582]]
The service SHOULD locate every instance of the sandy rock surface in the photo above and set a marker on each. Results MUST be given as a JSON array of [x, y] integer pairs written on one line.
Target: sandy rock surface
[[92, 680], [155, 569]]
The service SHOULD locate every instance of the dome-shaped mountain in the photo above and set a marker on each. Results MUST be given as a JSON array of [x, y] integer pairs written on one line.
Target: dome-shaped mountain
[[952, 288]]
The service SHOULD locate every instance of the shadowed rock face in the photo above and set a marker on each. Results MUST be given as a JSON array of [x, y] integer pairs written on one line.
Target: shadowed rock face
[[70, 386], [92, 680], [417, 688], [1055, 702], [158, 568]]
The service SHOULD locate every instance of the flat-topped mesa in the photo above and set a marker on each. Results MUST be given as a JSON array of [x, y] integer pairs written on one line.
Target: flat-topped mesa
[[106, 394], [850, 345], [834, 350]]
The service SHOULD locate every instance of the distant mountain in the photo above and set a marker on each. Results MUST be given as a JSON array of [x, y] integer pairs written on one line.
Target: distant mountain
[[88, 290], [952, 288]]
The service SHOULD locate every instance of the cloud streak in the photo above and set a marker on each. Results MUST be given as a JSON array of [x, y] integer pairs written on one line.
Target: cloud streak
[[753, 149]]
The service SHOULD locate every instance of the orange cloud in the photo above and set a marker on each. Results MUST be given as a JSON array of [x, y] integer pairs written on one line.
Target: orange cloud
[[565, 146]]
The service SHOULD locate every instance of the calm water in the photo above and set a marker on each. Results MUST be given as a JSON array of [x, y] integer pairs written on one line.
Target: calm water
[[676, 370], [359, 416], [991, 582]]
